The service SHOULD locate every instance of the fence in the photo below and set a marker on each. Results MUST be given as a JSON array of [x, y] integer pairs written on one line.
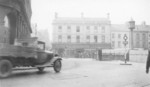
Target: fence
[[112, 54]]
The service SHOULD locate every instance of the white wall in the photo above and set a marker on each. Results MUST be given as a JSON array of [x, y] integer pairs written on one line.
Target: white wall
[[138, 56]]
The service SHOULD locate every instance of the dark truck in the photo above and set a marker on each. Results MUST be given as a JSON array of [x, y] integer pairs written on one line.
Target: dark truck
[[26, 55]]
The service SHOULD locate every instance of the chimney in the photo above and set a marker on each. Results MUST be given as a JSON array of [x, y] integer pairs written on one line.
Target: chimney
[[143, 23], [108, 15]]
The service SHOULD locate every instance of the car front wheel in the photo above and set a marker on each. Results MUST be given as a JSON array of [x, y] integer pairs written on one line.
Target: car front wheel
[[57, 66]]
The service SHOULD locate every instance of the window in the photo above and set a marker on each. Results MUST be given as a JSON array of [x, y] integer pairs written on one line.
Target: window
[[103, 29], [95, 29], [77, 29], [113, 35], [113, 44], [137, 36], [59, 38], [119, 44], [103, 39], [69, 38], [95, 39], [59, 28], [88, 38], [88, 28], [144, 40], [78, 39], [137, 44], [69, 28], [119, 36], [144, 36]]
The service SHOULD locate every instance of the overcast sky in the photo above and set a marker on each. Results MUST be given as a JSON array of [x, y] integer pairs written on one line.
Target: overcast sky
[[120, 11]]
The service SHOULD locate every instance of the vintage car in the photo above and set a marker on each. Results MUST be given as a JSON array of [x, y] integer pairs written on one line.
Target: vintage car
[[23, 55]]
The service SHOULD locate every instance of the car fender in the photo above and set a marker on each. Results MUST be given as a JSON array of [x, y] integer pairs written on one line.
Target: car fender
[[54, 59]]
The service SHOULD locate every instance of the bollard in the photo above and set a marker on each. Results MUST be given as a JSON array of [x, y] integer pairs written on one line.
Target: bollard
[[125, 59]]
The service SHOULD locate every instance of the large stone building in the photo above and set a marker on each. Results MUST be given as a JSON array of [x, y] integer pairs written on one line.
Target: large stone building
[[80, 35], [83, 36], [15, 18]]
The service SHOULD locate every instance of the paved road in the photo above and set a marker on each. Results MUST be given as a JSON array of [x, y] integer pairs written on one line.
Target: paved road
[[82, 73]]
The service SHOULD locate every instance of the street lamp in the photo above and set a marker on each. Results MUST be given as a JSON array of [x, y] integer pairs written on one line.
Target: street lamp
[[131, 27]]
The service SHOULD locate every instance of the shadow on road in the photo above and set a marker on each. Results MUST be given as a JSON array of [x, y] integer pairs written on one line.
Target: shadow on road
[[26, 74]]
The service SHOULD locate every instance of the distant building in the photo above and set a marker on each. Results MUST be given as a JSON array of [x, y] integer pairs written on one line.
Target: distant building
[[43, 35], [79, 35], [82, 37], [118, 33], [141, 36]]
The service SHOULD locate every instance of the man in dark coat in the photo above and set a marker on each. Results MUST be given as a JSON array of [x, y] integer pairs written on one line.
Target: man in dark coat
[[148, 62]]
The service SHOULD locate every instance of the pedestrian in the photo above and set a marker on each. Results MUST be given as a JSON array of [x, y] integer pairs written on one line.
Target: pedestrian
[[148, 62]]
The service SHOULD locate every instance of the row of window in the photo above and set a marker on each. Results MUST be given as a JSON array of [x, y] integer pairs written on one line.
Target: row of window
[[140, 45], [78, 28], [119, 44], [137, 44], [78, 38], [137, 36], [119, 36], [87, 27]]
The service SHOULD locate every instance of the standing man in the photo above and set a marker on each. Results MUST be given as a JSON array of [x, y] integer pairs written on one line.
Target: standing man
[[148, 62]]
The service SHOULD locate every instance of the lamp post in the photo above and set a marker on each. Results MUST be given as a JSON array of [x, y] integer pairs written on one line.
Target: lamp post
[[131, 27]]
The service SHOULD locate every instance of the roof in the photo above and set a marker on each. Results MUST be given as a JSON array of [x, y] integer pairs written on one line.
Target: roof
[[142, 28], [79, 20], [119, 27], [124, 27]]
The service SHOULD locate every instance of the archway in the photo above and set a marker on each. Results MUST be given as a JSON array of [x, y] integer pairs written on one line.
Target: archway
[[12, 22]]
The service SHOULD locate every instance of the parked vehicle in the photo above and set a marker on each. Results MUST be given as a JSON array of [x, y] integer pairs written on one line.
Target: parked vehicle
[[12, 56]]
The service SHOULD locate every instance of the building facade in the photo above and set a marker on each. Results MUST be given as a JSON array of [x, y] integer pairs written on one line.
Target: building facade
[[141, 36], [120, 32], [15, 18], [78, 35], [83, 37]]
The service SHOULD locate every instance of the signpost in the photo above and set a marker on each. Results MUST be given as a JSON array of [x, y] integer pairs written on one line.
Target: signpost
[[125, 42]]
